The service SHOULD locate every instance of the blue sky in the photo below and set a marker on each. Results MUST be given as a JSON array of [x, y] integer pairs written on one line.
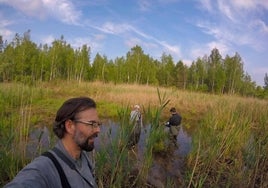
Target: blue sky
[[185, 29]]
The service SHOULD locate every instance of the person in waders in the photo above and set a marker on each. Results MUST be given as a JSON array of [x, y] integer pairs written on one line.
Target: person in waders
[[136, 121], [174, 123]]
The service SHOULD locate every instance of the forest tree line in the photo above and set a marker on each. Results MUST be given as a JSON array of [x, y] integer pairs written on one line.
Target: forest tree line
[[24, 61]]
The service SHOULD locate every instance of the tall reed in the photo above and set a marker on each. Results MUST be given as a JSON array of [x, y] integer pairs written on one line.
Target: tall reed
[[15, 114], [18, 116], [231, 146], [115, 166]]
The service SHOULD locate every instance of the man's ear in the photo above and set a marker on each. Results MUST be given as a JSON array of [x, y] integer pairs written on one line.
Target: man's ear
[[69, 126]]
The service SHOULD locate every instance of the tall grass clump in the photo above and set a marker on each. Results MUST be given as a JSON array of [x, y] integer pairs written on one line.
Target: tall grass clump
[[155, 142], [14, 113], [115, 166], [15, 120], [231, 146]]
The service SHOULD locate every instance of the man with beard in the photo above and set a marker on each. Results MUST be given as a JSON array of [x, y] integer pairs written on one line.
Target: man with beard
[[66, 165]]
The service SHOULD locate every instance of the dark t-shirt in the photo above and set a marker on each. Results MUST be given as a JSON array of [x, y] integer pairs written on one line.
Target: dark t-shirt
[[175, 120]]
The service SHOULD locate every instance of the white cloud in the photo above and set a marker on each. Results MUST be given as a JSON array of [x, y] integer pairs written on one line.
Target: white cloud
[[63, 10], [238, 22], [172, 49], [199, 50], [248, 4], [47, 39], [33, 8], [227, 10]]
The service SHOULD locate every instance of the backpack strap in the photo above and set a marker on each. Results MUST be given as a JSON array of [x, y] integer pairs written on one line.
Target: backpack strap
[[63, 179], [71, 165]]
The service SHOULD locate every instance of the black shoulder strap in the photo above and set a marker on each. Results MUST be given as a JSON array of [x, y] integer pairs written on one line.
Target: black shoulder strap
[[64, 158], [64, 181], [70, 164]]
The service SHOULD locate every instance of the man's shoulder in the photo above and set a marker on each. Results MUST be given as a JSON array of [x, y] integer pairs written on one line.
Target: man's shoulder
[[38, 173], [40, 163]]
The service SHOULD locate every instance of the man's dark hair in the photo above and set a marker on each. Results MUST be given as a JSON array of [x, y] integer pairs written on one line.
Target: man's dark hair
[[68, 111], [173, 110]]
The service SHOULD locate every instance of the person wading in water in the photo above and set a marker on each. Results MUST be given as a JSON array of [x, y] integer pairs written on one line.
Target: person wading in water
[[174, 124], [136, 121]]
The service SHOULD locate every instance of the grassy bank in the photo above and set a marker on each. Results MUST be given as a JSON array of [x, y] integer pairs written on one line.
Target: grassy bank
[[230, 143]]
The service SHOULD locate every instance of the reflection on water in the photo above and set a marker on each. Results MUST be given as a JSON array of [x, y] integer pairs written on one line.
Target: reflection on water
[[38, 141], [184, 141]]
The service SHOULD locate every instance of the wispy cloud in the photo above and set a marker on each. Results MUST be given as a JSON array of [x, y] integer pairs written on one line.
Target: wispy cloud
[[171, 49], [263, 27], [227, 11], [63, 10], [112, 28], [134, 36], [237, 22]]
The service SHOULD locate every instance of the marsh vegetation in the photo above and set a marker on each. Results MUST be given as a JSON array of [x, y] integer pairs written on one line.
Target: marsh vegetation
[[228, 144]]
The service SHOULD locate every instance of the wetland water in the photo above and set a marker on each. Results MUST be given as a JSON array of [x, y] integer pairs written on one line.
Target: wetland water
[[166, 165]]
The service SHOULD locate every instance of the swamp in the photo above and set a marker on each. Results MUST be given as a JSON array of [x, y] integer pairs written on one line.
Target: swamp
[[223, 140]]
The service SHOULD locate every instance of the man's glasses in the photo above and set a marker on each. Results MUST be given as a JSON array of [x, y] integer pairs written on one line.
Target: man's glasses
[[94, 124]]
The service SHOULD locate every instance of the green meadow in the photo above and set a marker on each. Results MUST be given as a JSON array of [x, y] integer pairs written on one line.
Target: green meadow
[[229, 133]]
